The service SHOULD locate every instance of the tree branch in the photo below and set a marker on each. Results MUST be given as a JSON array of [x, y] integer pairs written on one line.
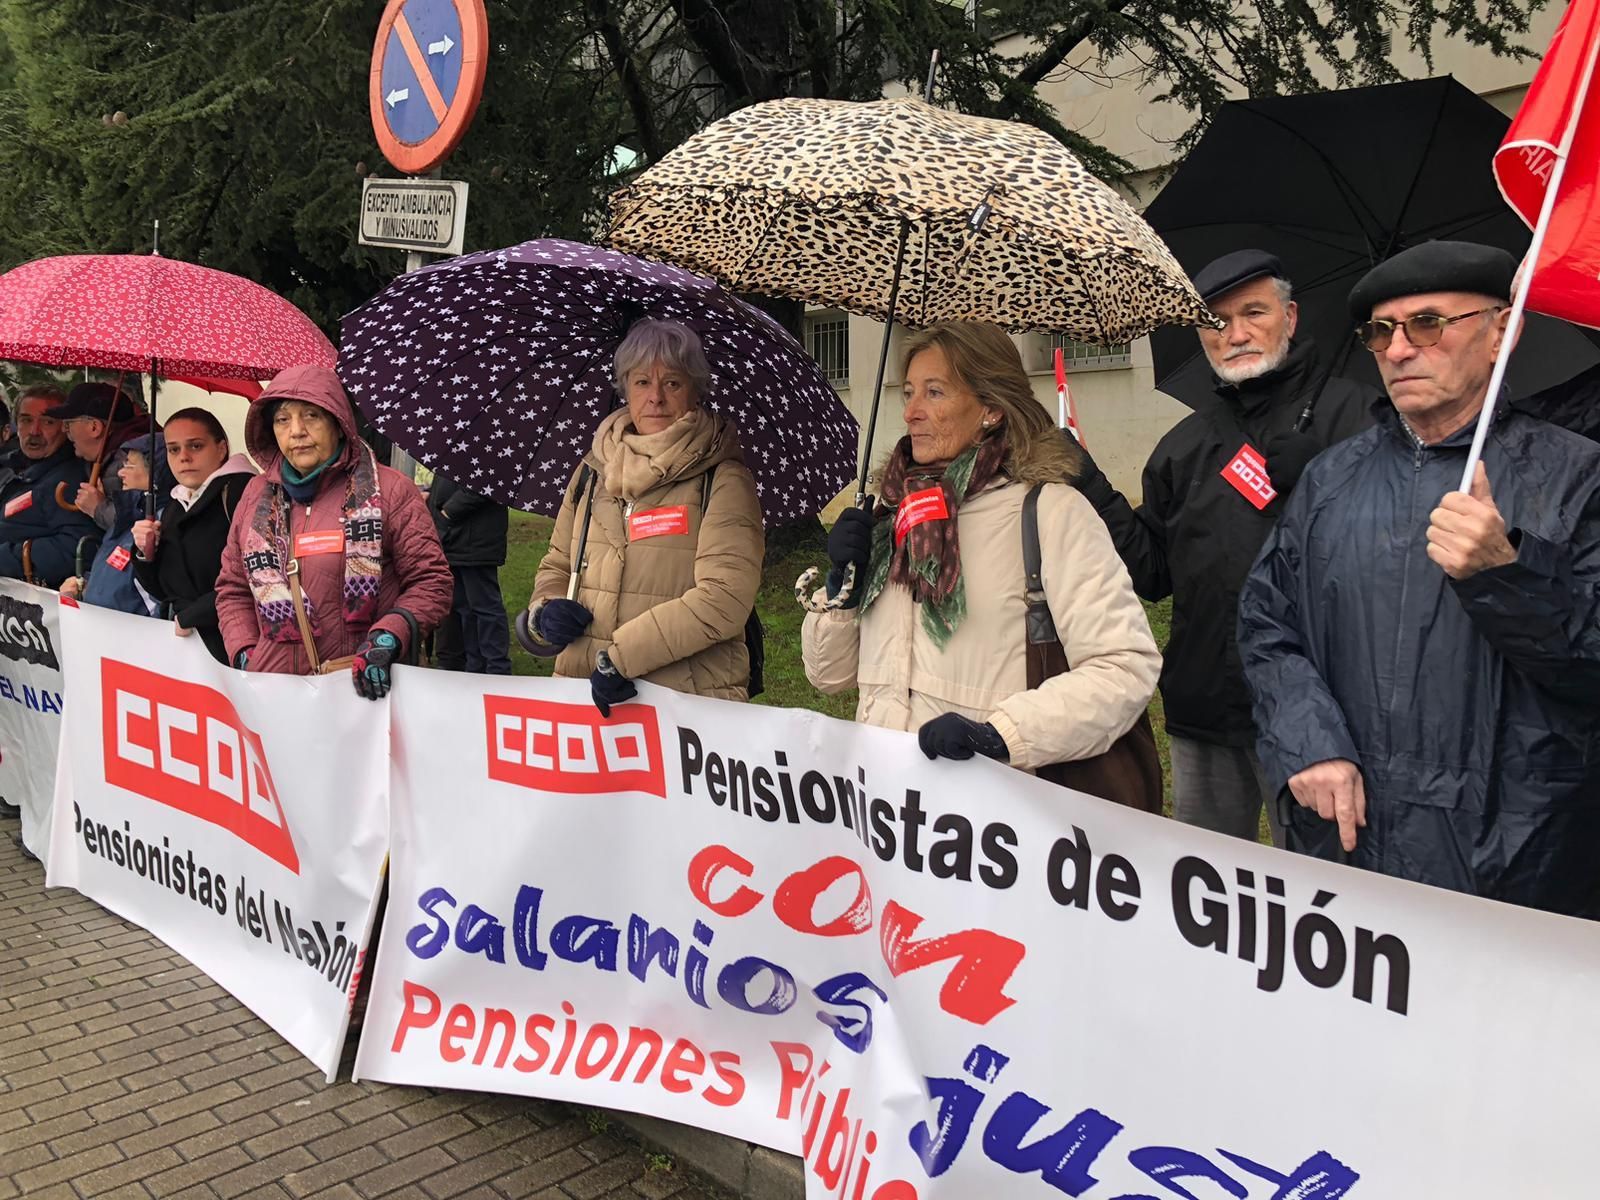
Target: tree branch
[[628, 76]]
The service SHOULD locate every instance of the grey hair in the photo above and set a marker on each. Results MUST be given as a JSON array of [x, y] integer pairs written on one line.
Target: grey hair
[[1284, 288], [675, 346]]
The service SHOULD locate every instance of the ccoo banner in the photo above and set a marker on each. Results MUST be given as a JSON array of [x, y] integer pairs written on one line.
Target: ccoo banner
[[242, 819], [949, 979], [30, 705]]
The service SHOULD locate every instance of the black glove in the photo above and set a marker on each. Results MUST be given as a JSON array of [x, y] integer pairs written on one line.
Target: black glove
[[561, 621], [958, 737], [370, 670], [850, 542], [1287, 455], [1091, 481], [608, 686], [241, 660]]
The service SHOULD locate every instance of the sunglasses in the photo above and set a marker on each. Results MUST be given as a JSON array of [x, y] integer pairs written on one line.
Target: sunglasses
[[1422, 330]]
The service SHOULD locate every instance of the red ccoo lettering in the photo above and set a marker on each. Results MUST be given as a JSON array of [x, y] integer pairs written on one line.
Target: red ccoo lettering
[[182, 744], [569, 748]]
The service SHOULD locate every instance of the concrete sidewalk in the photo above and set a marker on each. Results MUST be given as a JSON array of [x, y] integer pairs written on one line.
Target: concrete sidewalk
[[124, 1071]]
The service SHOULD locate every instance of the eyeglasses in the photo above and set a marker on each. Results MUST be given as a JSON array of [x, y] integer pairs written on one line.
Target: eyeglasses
[[1422, 330]]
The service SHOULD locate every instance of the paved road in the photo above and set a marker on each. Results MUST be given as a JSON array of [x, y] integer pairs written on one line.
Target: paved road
[[126, 1072]]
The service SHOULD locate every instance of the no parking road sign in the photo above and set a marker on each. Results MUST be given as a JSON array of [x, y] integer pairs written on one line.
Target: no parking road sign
[[427, 77]]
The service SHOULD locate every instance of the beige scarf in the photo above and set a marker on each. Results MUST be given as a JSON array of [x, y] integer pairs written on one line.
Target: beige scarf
[[634, 463]]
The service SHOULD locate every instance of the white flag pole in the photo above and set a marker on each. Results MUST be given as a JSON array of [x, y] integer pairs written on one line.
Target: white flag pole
[[1530, 262]]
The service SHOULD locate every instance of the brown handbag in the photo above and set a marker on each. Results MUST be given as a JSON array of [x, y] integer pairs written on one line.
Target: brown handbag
[[1130, 772]]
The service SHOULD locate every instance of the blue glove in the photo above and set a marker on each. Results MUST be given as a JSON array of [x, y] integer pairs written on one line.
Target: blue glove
[[561, 621], [370, 670], [958, 737], [608, 686], [241, 660]]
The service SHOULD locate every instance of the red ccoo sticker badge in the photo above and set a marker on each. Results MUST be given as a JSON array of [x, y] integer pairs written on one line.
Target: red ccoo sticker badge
[[19, 504], [917, 508], [320, 541], [658, 522], [1248, 474]]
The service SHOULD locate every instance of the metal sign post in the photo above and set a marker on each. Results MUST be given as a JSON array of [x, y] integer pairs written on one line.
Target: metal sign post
[[428, 63]]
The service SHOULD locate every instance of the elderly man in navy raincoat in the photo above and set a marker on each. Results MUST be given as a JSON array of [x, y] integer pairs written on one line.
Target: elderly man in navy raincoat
[[1426, 662]]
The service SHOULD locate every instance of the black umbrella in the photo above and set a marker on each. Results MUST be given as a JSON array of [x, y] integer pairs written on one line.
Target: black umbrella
[[1333, 183]]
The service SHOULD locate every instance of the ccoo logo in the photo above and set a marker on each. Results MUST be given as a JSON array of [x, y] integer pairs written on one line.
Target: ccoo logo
[[183, 745], [568, 748]]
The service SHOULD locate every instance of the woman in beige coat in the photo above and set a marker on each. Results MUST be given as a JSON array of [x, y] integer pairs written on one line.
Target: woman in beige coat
[[675, 540], [937, 643]]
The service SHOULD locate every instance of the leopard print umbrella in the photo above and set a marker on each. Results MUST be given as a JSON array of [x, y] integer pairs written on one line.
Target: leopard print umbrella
[[804, 198]]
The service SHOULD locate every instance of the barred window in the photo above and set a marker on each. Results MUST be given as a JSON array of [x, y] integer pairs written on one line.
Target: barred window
[[1087, 354], [828, 340]]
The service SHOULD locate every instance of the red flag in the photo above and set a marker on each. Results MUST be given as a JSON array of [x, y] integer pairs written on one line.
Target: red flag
[[1553, 145], [1066, 412]]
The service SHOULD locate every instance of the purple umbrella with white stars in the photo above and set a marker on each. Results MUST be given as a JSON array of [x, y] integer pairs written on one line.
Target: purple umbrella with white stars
[[494, 369]]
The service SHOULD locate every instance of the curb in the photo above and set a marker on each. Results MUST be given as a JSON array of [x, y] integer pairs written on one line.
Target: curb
[[743, 1169]]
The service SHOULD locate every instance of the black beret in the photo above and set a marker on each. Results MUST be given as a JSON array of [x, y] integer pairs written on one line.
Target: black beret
[[1228, 272], [1435, 267]]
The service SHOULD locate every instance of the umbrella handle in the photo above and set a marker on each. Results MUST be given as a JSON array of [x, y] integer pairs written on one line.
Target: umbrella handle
[[61, 488], [807, 581]]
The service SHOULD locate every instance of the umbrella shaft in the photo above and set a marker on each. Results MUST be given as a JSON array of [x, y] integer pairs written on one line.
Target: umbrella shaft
[[155, 386], [883, 362]]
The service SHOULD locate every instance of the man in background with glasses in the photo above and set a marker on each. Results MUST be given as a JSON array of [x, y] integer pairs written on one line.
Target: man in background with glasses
[[1426, 662], [1213, 488]]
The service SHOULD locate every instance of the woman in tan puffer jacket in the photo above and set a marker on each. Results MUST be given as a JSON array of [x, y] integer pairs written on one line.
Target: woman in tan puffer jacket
[[675, 540]]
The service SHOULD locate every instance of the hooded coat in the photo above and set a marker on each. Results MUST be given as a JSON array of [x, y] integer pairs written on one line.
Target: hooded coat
[[112, 581], [414, 575], [1472, 706], [1195, 536], [183, 574], [670, 574], [32, 516]]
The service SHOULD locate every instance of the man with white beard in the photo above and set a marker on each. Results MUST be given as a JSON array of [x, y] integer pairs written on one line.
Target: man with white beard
[[1213, 489]]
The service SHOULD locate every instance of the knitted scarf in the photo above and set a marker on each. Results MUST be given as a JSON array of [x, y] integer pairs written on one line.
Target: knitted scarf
[[266, 550], [927, 560]]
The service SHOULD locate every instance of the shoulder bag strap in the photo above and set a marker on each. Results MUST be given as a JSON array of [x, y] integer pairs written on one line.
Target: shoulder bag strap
[[300, 616], [705, 489], [1046, 656]]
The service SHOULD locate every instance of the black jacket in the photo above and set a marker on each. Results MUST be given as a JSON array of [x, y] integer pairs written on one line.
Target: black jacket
[[1195, 536], [1471, 707], [183, 575], [472, 528], [30, 494]]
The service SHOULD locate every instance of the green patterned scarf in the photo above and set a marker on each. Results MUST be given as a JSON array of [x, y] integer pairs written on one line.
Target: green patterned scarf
[[928, 560]]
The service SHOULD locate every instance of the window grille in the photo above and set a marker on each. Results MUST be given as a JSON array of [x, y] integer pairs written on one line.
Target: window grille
[[828, 340]]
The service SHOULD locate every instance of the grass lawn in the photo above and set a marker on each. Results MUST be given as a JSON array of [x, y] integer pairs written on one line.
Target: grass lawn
[[785, 679]]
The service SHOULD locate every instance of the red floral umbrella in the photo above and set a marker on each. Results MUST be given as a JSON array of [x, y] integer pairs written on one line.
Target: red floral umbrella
[[142, 312]]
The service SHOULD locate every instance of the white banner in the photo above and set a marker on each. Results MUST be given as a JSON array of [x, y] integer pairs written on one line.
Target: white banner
[[242, 819], [30, 705], [797, 930]]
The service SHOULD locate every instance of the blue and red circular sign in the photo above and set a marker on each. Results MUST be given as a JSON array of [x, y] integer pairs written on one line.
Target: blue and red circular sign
[[427, 78]]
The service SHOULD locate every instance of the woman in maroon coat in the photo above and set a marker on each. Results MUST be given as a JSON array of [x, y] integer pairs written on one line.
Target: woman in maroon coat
[[332, 559]]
